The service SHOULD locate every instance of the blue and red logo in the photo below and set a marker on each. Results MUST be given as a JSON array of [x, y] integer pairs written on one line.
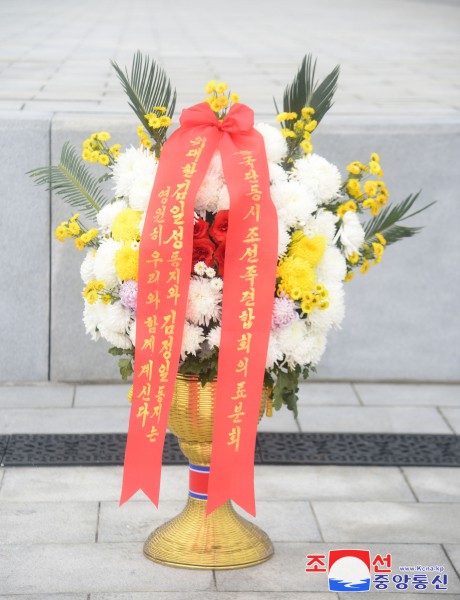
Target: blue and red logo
[[349, 570]]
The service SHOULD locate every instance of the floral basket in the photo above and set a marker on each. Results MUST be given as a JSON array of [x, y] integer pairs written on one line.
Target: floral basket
[[308, 231]]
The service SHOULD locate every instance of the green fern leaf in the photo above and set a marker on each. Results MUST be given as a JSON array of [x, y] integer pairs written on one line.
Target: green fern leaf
[[71, 179], [387, 221], [146, 86], [305, 90]]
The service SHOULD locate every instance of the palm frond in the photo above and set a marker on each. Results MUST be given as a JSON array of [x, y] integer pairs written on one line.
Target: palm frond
[[387, 221], [71, 179], [305, 91], [146, 86]]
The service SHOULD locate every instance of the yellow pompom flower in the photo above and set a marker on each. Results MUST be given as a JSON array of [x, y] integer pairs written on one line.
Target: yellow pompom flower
[[86, 154], [94, 156], [287, 133], [353, 188], [354, 168], [306, 306], [307, 111], [79, 243], [74, 217], [234, 98], [223, 101], [221, 87], [140, 130], [210, 86], [126, 225], [215, 105], [104, 160], [160, 109], [103, 136], [106, 298], [165, 121], [61, 233], [375, 157], [371, 188], [311, 126], [353, 258], [365, 267], [282, 116], [297, 277], [306, 146], [74, 228], [309, 249], [381, 239], [115, 149], [375, 168], [349, 276], [378, 248], [127, 262]]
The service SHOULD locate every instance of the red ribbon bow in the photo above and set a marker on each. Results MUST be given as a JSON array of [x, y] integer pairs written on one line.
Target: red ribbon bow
[[164, 276]]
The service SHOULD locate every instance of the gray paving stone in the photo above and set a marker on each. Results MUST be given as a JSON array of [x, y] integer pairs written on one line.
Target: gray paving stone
[[36, 396], [62, 420], [324, 393], [102, 395], [434, 484], [283, 521], [288, 564], [282, 420], [219, 596], [48, 522], [453, 552], [311, 482], [45, 597], [86, 484], [367, 419], [452, 416], [91, 568], [407, 394], [388, 521]]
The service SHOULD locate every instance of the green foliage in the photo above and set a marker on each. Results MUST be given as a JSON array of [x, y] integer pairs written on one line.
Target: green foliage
[[305, 90], [71, 179], [286, 389], [204, 366], [126, 367], [146, 86], [387, 221]]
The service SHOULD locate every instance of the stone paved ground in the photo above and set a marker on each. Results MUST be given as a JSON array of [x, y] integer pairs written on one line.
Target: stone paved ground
[[397, 56], [64, 537]]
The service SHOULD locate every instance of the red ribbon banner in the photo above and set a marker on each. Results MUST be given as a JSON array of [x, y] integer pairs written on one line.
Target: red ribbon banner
[[164, 275]]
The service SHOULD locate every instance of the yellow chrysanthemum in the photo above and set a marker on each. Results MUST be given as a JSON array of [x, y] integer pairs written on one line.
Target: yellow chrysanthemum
[[381, 239], [234, 98], [61, 233], [349, 276], [126, 225], [297, 277], [127, 262], [221, 87], [309, 249], [311, 126], [371, 188], [210, 86], [378, 248], [104, 160], [365, 267], [353, 187], [307, 111], [74, 228], [79, 243]]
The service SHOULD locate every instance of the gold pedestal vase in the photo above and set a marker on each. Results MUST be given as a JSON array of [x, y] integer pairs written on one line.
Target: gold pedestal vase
[[192, 540]]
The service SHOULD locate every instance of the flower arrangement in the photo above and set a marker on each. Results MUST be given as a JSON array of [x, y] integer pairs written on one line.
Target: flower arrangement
[[329, 227]]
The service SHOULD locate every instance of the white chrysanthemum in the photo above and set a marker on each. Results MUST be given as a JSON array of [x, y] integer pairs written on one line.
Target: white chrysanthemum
[[192, 339], [104, 262], [293, 203], [277, 173], [321, 321], [216, 283], [293, 341], [91, 319], [274, 352], [323, 223], [213, 337], [283, 238], [87, 266], [320, 177], [332, 267], [351, 233], [132, 332], [141, 190], [275, 144], [209, 195], [119, 340], [107, 214], [115, 317], [204, 302], [129, 166], [223, 198]]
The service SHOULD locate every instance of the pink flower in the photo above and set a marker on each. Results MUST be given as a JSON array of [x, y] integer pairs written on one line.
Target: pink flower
[[128, 294], [284, 312]]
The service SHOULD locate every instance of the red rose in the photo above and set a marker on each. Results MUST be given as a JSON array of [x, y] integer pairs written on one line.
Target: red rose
[[219, 255], [200, 228], [218, 229], [203, 250]]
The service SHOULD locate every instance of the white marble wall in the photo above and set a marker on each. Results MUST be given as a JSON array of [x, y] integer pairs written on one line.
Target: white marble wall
[[402, 316]]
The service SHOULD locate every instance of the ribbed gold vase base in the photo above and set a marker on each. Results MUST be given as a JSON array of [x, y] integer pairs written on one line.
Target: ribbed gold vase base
[[221, 540]]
